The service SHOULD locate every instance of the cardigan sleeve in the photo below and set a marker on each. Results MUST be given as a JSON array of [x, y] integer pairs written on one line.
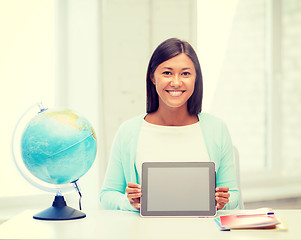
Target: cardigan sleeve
[[112, 194], [226, 173], [219, 146]]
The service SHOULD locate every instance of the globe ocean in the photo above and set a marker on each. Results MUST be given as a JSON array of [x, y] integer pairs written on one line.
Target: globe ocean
[[58, 146]]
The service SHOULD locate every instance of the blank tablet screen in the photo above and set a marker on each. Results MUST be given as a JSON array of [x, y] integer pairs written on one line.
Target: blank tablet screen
[[178, 189]]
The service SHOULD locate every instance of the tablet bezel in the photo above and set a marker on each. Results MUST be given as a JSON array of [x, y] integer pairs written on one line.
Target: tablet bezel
[[144, 186]]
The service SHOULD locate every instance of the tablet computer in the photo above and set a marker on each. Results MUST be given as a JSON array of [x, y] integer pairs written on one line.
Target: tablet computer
[[178, 189]]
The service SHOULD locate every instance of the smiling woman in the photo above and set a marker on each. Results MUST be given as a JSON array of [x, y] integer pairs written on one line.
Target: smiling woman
[[165, 52], [173, 130]]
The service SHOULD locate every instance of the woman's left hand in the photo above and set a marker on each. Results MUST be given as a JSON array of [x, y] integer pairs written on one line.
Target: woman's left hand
[[221, 197]]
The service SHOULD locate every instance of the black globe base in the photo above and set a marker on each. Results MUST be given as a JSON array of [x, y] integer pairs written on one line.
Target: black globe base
[[59, 211]]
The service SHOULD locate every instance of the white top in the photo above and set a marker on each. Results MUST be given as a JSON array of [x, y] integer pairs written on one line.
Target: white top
[[158, 143]]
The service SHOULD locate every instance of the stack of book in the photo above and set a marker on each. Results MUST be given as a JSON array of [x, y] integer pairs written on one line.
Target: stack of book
[[262, 218]]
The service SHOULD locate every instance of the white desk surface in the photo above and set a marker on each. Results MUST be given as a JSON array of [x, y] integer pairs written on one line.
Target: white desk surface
[[104, 224]]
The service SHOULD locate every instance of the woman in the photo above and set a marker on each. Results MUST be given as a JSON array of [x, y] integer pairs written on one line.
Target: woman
[[174, 129]]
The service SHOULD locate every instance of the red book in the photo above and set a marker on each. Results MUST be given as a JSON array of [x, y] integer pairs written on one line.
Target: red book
[[249, 221]]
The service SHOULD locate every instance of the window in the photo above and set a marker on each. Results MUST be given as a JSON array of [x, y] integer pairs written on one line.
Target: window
[[290, 88], [251, 60], [26, 75], [236, 81]]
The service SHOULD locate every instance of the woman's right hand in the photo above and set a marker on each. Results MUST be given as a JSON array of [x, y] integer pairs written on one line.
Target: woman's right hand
[[133, 191]]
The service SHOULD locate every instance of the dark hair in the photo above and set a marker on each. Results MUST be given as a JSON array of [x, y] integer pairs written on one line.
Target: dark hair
[[167, 50]]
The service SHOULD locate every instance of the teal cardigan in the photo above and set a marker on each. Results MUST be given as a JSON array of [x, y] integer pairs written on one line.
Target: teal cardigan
[[122, 165]]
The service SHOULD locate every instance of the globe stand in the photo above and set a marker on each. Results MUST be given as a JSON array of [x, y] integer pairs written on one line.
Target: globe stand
[[59, 211]]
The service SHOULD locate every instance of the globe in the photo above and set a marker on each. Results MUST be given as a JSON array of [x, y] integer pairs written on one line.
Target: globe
[[58, 146], [52, 149]]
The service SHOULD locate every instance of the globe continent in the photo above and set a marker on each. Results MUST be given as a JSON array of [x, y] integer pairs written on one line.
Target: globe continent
[[58, 147]]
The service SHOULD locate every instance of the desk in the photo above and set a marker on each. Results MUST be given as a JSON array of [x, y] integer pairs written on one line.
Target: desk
[[104, 224]]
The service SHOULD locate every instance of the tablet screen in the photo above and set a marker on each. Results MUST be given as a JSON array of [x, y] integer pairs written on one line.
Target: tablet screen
[[178, 189], [185, 189]]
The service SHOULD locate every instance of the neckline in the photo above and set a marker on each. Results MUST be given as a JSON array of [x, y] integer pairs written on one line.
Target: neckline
[[175, 127], [154, 124]]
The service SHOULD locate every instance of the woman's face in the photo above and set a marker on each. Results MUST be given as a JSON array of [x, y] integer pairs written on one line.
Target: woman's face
[[174, 80]]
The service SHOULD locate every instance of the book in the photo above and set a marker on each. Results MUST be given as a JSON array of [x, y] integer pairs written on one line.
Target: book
[[249, 221], [263, 219]]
